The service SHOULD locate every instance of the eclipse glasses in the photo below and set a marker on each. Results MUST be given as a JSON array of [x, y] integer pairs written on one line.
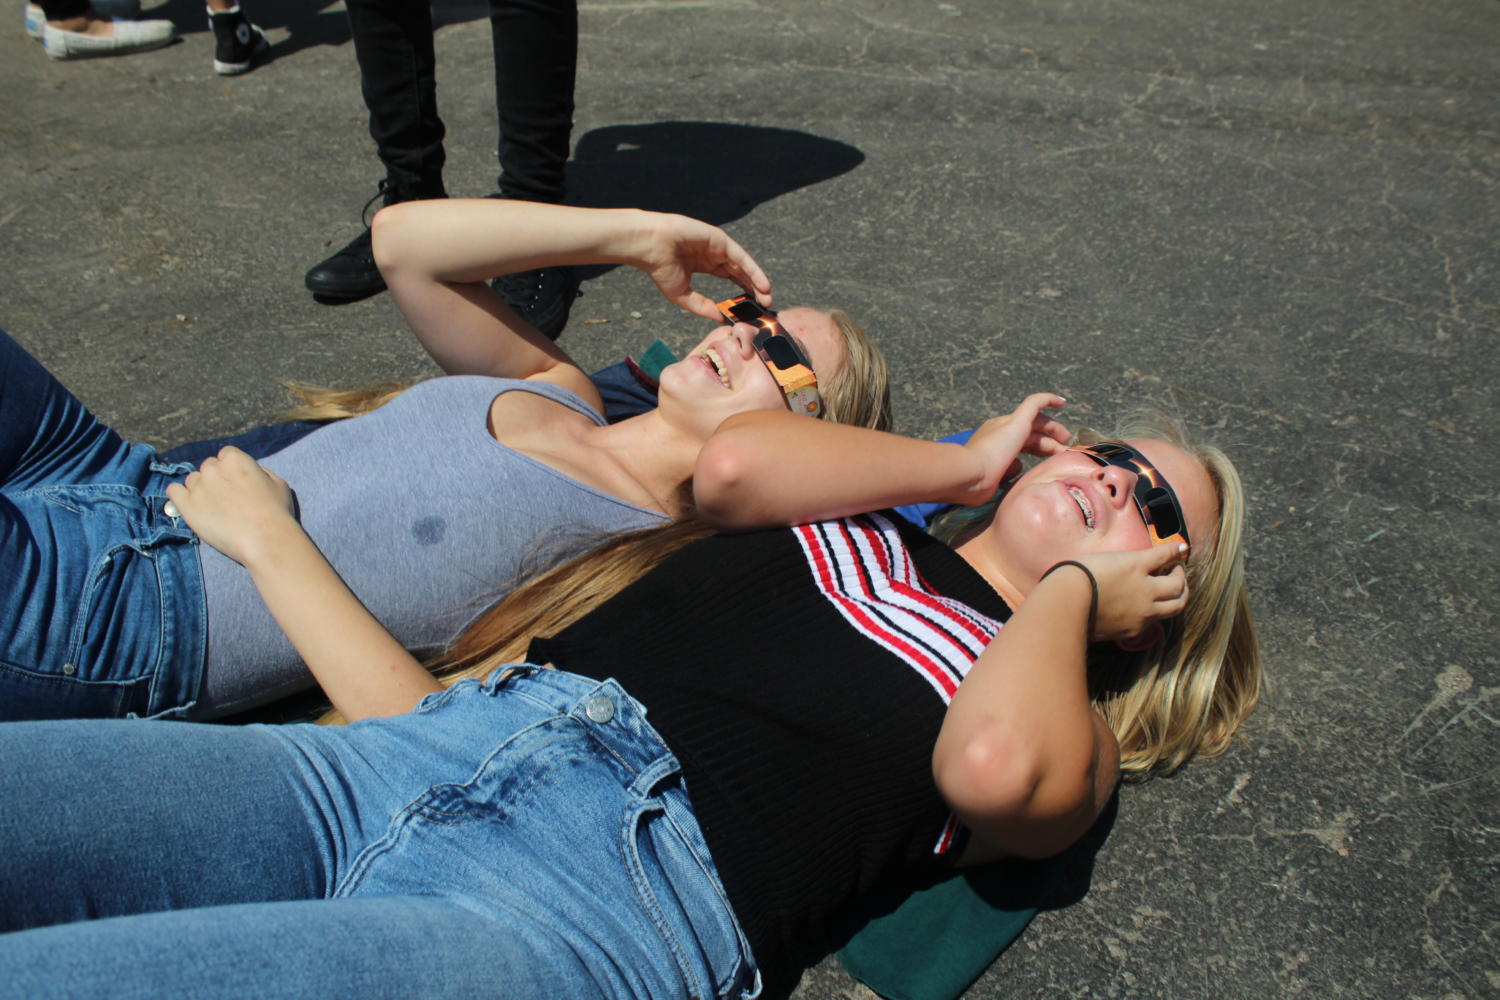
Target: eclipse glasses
[[1153, 495], [786, 362]]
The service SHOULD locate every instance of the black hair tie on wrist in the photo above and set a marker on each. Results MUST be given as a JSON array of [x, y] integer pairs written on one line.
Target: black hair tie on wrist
[[1093, 592]]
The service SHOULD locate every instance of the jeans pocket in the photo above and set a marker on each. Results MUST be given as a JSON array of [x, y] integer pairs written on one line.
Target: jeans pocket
[[683, 899], [115, 636]]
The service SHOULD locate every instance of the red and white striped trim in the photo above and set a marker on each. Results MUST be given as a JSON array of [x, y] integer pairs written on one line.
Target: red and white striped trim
[[862, 567]]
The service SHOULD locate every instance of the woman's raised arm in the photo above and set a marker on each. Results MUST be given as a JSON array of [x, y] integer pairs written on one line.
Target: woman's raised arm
[[1023, 758], [437, 255], [772, 467]]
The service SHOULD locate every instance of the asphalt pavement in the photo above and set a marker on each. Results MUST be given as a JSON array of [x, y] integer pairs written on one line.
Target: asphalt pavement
[[1277, 219]]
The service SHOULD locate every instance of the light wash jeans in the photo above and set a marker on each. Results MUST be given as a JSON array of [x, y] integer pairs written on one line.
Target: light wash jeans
[[521, 838]]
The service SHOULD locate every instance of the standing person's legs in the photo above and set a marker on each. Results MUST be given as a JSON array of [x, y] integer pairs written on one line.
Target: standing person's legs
[[536, 61], [398, 77], [397, 69], [237, 42]]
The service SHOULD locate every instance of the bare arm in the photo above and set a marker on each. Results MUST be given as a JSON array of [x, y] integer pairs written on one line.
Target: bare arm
[[243, 511], [1023, 759], [773, 467], [437, 255]]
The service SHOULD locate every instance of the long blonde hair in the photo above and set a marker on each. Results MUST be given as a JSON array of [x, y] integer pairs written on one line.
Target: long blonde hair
[[859, 393], [1188, 695]]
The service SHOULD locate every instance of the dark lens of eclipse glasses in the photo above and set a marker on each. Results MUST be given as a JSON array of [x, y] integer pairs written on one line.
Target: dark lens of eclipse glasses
[[1162, 510], [746, 311], [779, 350]]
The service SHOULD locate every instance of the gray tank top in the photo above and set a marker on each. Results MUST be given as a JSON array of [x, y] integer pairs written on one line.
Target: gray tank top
[[426, 517]]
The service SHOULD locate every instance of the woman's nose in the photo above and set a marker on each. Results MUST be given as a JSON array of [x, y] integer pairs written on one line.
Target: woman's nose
[[744, 338], [1118, 481]]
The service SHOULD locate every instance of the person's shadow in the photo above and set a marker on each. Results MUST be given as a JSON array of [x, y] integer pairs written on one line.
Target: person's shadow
[[714, 171]]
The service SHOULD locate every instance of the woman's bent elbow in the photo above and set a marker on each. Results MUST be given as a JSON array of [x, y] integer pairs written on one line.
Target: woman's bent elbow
[[1015, 799], [385, 235], [719, 487]]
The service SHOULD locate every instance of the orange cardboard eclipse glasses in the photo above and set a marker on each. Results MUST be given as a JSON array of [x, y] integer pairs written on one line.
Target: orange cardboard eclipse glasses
[[784, 359]]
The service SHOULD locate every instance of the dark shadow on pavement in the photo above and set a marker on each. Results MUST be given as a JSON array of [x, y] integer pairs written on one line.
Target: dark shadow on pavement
[[714, 171]]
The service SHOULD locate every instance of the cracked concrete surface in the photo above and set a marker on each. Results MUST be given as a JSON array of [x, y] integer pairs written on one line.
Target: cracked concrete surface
[[1278, 219]]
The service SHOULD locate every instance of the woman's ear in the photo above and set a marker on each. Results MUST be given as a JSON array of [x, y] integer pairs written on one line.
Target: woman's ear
[[1142, 640]]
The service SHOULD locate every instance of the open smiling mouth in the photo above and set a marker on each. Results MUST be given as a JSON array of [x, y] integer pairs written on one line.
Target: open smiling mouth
[[1083, 505], [712, 357]]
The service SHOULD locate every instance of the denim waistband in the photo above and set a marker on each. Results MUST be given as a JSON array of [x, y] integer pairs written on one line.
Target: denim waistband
[[614, 719]]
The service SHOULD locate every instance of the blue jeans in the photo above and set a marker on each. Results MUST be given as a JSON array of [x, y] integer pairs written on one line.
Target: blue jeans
[[99, 589], [521, 837]]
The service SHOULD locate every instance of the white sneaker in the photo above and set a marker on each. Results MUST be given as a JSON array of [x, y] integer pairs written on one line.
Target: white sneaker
[[129, 36], [107, 8]]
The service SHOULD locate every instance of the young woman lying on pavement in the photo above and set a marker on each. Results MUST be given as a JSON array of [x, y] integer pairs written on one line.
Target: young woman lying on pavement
[[835, 708], [429, 507]]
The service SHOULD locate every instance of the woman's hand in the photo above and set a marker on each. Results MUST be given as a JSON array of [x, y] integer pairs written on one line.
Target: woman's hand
[[1138, 590], [245, 512], [1000, 441], [679, 247], [233, 503]]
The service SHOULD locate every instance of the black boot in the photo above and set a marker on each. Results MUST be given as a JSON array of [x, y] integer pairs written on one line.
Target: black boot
[[350, 273], [543, 297]]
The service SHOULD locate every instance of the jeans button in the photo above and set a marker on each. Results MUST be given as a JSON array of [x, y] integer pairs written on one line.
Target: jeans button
[[170, 509], [599, 708]]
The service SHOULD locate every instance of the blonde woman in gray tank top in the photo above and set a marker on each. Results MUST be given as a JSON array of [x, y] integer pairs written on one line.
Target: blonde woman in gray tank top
[[424, 511]]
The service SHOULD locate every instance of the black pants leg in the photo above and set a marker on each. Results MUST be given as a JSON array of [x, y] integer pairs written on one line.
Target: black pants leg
[[397, 69], [61, 10], [536, 61]]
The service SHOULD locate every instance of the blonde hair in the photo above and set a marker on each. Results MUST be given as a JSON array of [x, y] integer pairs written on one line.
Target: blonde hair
[[1188, 695], [859, 393], [547, 604], [325, 404]]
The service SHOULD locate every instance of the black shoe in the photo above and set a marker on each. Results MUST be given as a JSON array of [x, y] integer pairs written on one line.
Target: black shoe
[[351, 274], [237, 42], [543, 297]]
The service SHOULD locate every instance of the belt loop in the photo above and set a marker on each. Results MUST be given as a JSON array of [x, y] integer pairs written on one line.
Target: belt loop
[[659, 770]]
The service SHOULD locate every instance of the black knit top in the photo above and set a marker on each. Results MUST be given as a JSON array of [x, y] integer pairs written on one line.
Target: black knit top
[[801, 677]]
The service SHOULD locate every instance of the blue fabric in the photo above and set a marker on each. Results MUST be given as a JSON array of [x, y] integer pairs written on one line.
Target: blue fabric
[[520, 837], [258, 442], [921, 514], [87, 561], [626, 390]]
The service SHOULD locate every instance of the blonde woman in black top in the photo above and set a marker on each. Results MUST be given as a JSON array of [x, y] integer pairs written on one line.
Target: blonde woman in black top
[[835, 709]]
